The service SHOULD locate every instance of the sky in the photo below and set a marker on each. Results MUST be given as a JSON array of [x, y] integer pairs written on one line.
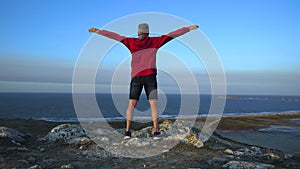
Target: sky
[[258, 42]]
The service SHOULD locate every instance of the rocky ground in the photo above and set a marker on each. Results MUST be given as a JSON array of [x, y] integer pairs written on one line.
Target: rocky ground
[[40, 144]]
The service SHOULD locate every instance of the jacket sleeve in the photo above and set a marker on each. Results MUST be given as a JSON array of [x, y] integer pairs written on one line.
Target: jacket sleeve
[[178, 32], [111, 35], [160, 41]]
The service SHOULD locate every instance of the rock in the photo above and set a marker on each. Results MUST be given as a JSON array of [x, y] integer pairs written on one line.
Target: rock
[[13, 135], [165, 125], [83, 147], [31, 159], [70, 134], [18, 149], [288, 156], [95, 155], [253, 151], [35, 167], [228, 151], [68, 166], [79, 141], [247, 165], [193, 140], [47, 162], [23, 162], [137, 142], [272, 156], [216, 161], [104, 140], [181, 131], [42, 149], [175, 137]]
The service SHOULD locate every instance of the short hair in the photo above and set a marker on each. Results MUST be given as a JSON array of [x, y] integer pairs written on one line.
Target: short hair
[[143, 28]]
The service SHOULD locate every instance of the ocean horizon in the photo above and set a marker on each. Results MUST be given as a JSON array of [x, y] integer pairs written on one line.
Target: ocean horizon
[[59, 106]]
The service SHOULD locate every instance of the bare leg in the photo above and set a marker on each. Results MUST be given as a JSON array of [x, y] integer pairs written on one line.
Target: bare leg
[[129, 113], [154, 111]]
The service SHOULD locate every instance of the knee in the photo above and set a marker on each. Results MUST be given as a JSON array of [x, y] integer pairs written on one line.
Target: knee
[[132, 103], [153, 102]]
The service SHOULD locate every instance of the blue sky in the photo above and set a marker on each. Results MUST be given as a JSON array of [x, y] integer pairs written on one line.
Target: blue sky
[[257, 41]]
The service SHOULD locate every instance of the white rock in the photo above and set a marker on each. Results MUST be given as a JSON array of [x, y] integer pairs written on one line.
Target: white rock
[[79, 141], [13, 135], [165, 125], [247, 165], [272, 156], [34, 167], [65, 132], [288, 156], [165, 151], [177, 137], [68, 166], [18, 148], [254, 151], [104, 140], [193, 140], [229, 151], [239, 153]]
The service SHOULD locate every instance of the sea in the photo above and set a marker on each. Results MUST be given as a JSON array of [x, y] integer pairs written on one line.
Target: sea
[[59, 107]]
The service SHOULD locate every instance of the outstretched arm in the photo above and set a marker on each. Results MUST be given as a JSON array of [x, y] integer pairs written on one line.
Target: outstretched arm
[[182, 31], [166, 38], [108, 34]]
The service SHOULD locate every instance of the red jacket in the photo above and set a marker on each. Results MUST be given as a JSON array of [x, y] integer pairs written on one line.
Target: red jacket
[[143, 51]]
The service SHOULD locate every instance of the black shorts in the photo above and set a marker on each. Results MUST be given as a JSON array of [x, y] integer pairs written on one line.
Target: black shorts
[[148, 82]]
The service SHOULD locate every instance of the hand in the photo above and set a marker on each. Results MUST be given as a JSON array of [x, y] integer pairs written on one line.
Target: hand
[[193, 27], [93, 30]]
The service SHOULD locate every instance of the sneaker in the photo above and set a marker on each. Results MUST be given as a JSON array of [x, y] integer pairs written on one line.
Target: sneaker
[[156, 135], [127, 135]]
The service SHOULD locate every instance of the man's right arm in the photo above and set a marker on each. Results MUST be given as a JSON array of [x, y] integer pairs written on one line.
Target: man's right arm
[[108, 34]]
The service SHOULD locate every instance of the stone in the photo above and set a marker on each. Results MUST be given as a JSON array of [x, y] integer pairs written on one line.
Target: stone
[[288, 156], [47, 162], [104, 140], [247, 165], [165, 125], [69, 133], [35, 167], [23, 162], [193, 140], [272, 156], [83, 147], [68, 166], [79, 141], [229, 151], [31, 159], [18, 149], [253, 151], [216, 161], [11, 134], [42, 149]]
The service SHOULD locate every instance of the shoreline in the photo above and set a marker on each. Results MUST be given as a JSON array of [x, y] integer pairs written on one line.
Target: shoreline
[[219, 151], [165, 117]]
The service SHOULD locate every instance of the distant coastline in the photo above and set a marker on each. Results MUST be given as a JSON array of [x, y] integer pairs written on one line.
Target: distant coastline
[[285, 98]]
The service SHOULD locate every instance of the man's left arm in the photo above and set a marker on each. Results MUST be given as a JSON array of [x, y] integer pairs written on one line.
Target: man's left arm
[[166, 38], [182, 31]]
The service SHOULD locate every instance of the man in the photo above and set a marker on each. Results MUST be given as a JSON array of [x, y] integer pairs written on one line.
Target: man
[[143, 50]]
